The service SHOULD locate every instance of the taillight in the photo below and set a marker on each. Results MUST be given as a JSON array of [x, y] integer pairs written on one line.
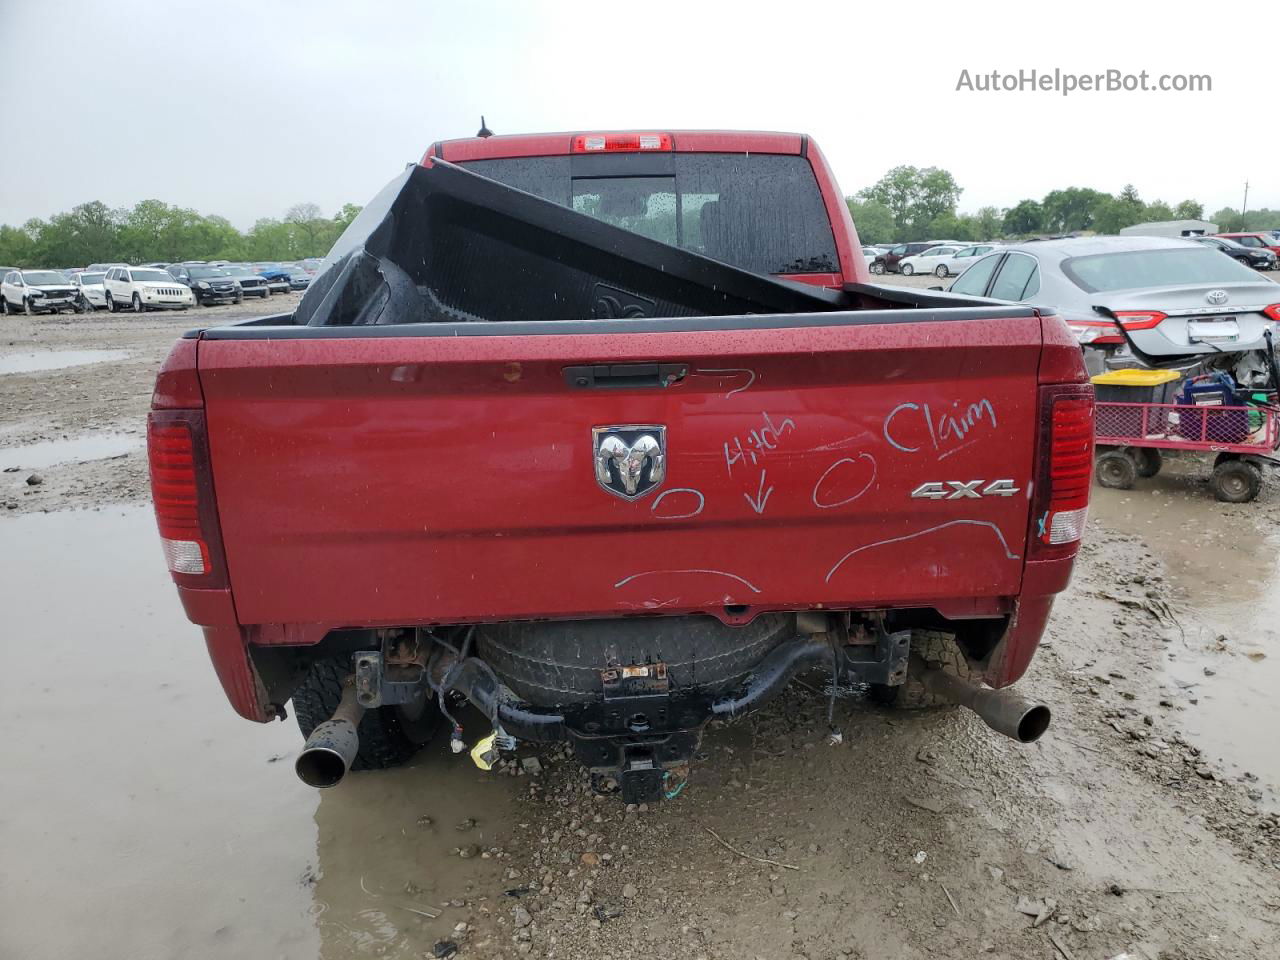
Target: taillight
[[1064, 470], [1139, 319], [621, 142], [182, 494], [1272, 312], [1098, 331]]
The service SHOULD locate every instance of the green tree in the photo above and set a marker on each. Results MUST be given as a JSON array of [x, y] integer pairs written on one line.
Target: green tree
[[988, 224], [916, 197], [1069, 210], [1157, 211], [1026, 217], [1189, 210], [873, 220]]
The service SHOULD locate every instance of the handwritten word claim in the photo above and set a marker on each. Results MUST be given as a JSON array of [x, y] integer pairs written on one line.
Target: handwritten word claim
[[947, 430]]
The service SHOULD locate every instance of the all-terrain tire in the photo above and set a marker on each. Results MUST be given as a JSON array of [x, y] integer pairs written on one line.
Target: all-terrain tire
[[1148, 459], [1236, 481], [560, 663], [387, 739], [931, 647], [1115, 469]]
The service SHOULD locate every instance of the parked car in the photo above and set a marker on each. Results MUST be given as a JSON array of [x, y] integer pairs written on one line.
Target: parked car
[[276, 275], [650, 588], [209, 285], [888, 261], [950, 265], [250, 282], [1259, 240], [102, 267], [1160, 299], [91, 291], [870, 253], [1257, 257], [36, 291], [144, 288], [926, 261], [299, 278]]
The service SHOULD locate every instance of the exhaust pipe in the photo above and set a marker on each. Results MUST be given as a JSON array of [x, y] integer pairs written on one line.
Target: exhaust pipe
[[331, 748], [1001, 710]]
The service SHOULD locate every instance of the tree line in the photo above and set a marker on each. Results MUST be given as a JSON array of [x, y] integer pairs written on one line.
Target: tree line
[[152, 231], [912, 203]]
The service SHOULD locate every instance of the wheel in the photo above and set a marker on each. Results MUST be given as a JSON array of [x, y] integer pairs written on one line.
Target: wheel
[[1236, 481], [27, 308], [934, 648], [1116, 470], [137, 304], [1244, 261], [907, 269], [877, 268], [239, 298], [389, 736], [1148, 460], [264, 293], [941, 271], [111, 304], [5, 309]]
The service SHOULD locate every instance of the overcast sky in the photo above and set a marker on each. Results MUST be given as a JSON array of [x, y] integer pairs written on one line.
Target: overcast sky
[[245, 108]]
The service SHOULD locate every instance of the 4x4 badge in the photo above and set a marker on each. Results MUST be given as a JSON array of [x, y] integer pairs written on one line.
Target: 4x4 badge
[[630, 460], [959, 489]]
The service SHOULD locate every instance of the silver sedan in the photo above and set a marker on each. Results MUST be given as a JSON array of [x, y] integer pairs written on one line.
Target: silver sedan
[[1164, 300]]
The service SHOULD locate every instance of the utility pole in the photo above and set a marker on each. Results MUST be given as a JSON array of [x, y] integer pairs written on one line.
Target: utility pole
[[1244, 206]]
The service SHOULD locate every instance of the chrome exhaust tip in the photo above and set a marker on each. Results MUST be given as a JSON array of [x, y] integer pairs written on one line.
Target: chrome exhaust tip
[[331, 749]]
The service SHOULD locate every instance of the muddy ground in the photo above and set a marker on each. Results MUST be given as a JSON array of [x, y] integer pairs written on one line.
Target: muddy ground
[[140, 818]]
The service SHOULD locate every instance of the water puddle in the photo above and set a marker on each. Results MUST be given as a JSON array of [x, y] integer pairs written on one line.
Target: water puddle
[[1224, 560], [46, 453], [39, 360], [178, 828]]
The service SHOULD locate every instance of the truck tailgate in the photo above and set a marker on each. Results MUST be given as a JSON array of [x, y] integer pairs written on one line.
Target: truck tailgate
[[398, 475]]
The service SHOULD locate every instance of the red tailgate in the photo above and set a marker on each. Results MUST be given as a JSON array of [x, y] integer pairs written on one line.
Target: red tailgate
[[396, 479]]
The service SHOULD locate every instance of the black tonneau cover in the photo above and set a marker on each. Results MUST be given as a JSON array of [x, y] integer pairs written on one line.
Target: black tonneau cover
[[442, 244]]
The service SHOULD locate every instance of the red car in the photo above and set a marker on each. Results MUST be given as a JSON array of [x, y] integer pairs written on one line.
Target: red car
[[607, 434], [1255, 241]]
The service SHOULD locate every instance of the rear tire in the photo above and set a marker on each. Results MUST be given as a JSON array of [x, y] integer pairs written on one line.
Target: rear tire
[[5, 309], [1236, 481], [941, 271], [137, 304], [388, 735], [1116, 470], [907, 269], [877, 269], [111, 304], [931, 647], [1148, 459]]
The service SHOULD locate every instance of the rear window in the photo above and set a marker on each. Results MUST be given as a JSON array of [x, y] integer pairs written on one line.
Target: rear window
[[759, 212], [1136, 269]]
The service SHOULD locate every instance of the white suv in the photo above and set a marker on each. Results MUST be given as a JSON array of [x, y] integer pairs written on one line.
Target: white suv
[[36, 291], [145, 288]]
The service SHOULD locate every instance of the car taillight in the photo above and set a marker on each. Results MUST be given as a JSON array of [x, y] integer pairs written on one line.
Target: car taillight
[[1272, 312], [1139, 319], [607, 142], [1095, 332], [182, 494], [1064, 470]]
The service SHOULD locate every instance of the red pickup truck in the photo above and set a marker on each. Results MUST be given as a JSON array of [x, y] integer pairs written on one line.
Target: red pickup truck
[[609, 435]]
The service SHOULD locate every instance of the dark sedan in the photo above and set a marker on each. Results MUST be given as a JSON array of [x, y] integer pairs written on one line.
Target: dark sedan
[[1260, 258]]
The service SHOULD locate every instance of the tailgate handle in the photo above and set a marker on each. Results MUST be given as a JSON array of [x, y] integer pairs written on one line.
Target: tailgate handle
[[625, 375]]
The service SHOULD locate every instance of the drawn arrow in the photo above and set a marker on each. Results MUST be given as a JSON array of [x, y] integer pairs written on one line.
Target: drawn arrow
[[762, 495]]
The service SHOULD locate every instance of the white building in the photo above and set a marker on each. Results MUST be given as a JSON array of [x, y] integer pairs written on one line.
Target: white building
[[1170, 228]]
